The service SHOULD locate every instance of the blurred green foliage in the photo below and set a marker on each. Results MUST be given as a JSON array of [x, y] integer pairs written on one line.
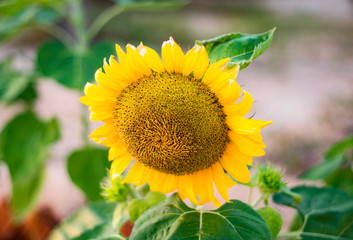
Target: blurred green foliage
[[24, 147], [87, 167], [336, 168]]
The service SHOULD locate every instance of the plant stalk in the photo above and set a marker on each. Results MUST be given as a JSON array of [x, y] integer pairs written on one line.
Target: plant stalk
[[290, 235]]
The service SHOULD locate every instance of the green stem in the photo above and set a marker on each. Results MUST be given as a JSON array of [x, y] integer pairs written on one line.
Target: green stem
[[249, 196], [290, 235], [103, 19], [257, 201], [78, 22], [85, 125]]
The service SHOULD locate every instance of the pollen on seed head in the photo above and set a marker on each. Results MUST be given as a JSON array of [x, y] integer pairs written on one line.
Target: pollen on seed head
[[171, 123]]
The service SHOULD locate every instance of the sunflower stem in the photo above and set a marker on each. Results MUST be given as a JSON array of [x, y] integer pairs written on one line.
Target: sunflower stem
[[257, 201]]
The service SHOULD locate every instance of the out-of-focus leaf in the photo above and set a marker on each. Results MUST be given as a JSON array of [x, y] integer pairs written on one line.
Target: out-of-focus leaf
[[90, 219], [56, 61], [136, 208], [172, 219], [29, 94], [25, 15], [153, 198], [87, 167], [328, 212], [242, 49], [341, 179], [273, 220], [332, 161], [14, 85], [24, 144]]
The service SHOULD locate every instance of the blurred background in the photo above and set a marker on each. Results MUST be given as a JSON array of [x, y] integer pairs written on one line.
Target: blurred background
[[303, 82]]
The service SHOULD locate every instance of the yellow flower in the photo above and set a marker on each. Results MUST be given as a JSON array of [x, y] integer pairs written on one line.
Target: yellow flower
[[181, 120]]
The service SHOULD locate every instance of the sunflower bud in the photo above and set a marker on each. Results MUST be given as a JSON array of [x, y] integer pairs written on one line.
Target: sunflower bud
[[269, 180], [114, 190]]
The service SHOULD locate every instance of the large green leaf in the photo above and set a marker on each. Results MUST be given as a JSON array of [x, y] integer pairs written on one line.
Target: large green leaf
[[89, 222], [87, 167], [242, 49], [332, 161], [326, 213], [24, 146], [172, 219], [55, 60], [14, 85]]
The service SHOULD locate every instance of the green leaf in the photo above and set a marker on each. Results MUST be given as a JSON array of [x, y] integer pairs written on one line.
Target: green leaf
[[273, 220], [136, 208], [328, 212], [153, 198], [341, 179], [68, 68], [91, 220], [172, 219], [332, 161], [26, 15], [86, 168], [242, 49], [24, 146], [14, 85]]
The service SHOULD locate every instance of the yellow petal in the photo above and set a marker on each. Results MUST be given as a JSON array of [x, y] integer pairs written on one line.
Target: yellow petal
[[196, 61], [119, 165], [241, 108], [117, 150], [98, 93], [199, 179], [137, 60], [134, 173], [237, 170], [110, 83], [223, 78], [185, 188], [151, 58], [170, 184], [214, 70], [145, 176], [229, 94], [209, 185], [172, 55], [126, 64], [246, 145], [118, 72], [202, 63], [157, 181], [101, 116], [237, 155], [241, 125], [220, 179], [102, 132]]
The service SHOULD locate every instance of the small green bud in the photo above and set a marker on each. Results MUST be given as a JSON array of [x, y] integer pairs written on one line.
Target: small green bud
[[269, 179], [114, 190]]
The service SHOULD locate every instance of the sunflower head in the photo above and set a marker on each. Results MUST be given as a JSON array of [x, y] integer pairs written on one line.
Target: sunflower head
[[180, 119]]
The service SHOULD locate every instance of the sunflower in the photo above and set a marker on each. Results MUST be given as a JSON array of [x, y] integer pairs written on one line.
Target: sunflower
[[180, 120]]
